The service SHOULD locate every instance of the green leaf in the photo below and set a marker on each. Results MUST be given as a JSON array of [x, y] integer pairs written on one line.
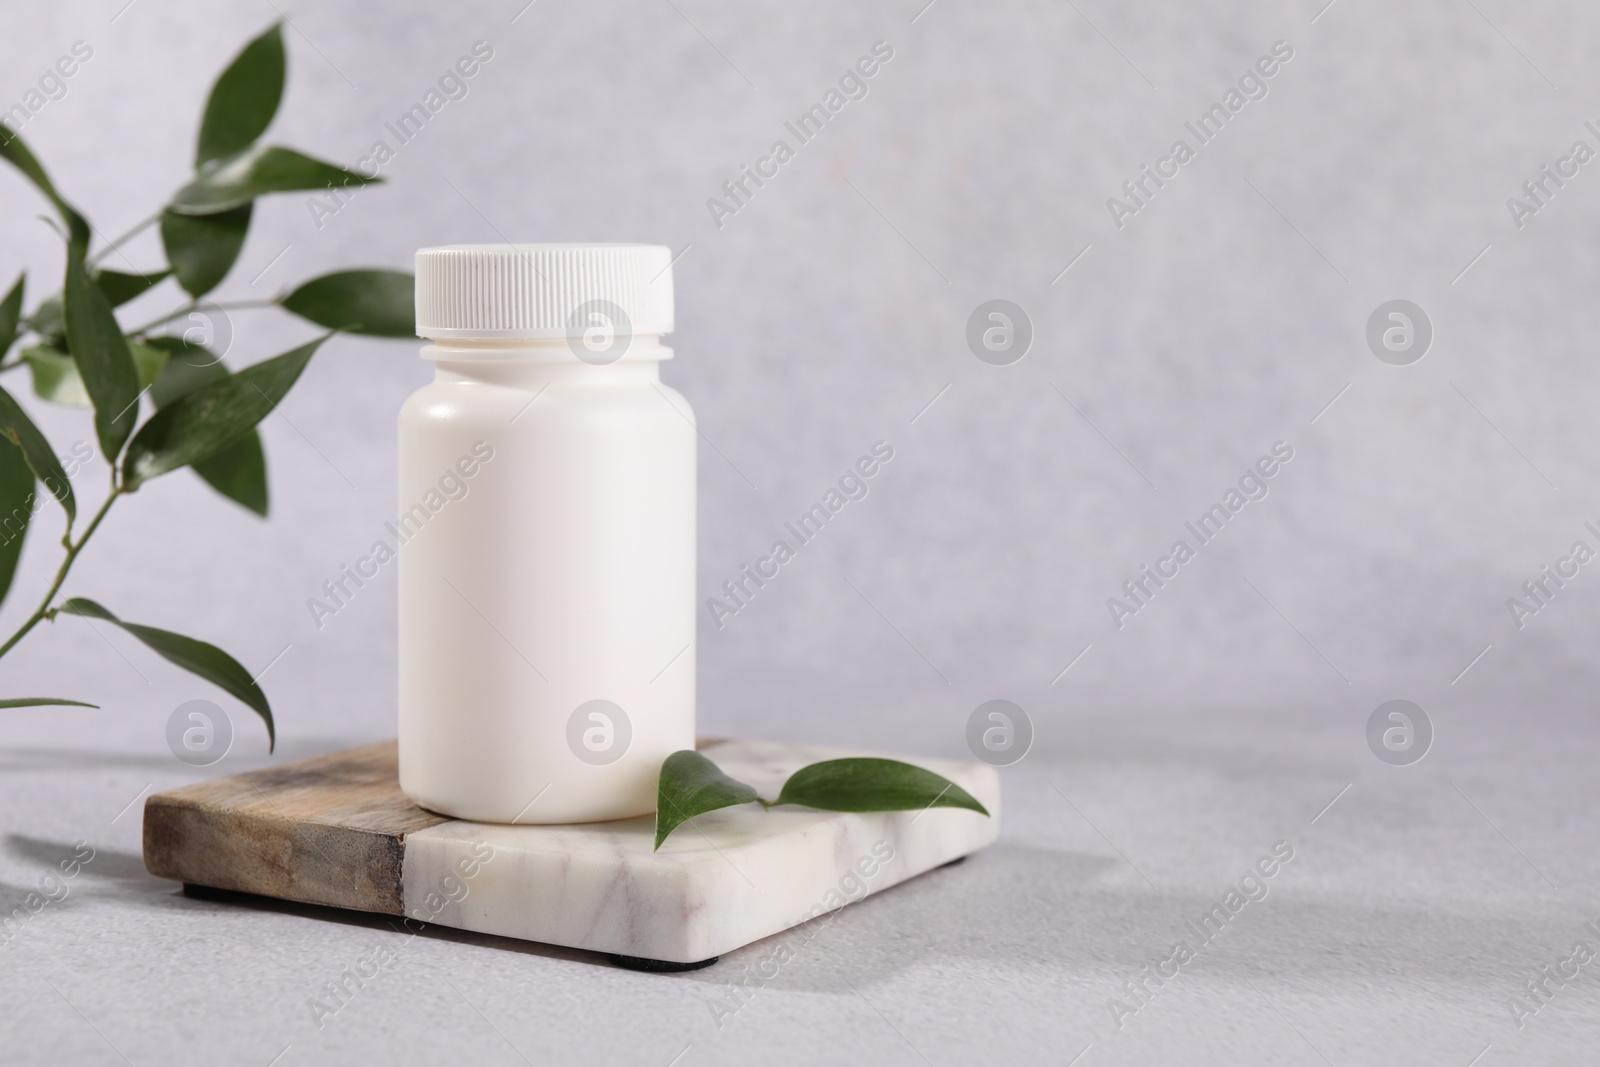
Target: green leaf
[[692, 785], [203, 248], [35, 702], [11, 314], [868, 784], [212, 417], [196, 657], [244, 99], [381, 303], [102, 355], [55, 377], [41, 458], [148, 362], [238, 472], [46, 321], [13, 151], [120, 288], [189, 366], [16, 508], [258, 171]]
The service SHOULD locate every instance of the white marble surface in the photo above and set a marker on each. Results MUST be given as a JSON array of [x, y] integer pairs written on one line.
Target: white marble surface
[[721, 881]]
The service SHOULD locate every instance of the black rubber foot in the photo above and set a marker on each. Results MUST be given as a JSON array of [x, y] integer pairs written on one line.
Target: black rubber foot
[[206, 892], [639, 963], [952, 863]]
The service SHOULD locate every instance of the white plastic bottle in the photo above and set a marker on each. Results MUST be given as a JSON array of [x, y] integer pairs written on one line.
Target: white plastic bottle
[[547, 536]]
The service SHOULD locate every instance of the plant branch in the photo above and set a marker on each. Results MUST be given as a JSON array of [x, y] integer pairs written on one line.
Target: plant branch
[[152, 324], [44, 611], [232, 305], [124, 239]]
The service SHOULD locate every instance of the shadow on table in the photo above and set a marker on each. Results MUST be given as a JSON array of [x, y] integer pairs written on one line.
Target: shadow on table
[[1021, 908], [105, 862]]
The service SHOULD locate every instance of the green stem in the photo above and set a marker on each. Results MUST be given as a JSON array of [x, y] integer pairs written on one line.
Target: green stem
[[124, 239], [147, 327], [232, 305], [44, 611]]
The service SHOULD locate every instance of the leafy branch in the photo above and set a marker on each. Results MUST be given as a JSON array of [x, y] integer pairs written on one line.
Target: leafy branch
[[691, 785], [204, 416]]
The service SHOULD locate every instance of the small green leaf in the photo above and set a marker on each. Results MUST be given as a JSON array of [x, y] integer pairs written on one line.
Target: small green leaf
[[196, 657], [238, 472], [381, 303], [244, 99], [258, 171], [46, 321], [102, 355], [55, 377], [189, 367], [868, 784], [11, 314], [35, 702], [692, 785], [148, 362], [13, 151], [16, 508], [211, 418], [203, 248], [121, 288], [41, 458]]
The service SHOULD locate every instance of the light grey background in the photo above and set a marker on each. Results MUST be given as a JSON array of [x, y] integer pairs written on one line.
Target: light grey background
[[824, 316]]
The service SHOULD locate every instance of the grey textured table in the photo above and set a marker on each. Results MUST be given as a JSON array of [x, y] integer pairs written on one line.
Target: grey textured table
[[1414, 908]]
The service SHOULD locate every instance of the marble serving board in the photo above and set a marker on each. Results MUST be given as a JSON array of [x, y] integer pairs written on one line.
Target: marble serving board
[[336, 830]]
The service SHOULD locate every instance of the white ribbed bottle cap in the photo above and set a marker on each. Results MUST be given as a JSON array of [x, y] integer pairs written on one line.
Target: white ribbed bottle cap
[[541, 291]]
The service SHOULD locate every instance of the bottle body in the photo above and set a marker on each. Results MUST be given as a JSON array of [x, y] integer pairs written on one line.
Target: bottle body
[[547, 614]]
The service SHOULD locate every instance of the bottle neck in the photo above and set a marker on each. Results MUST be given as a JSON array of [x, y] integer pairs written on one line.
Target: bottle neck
[[531, 375], [535, 363], [605, 351]]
